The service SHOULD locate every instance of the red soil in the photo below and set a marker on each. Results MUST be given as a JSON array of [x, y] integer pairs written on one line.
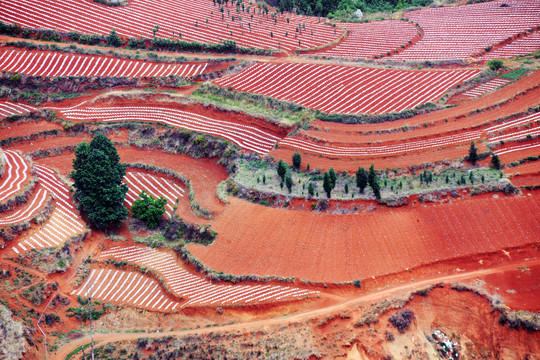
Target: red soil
[[253, 239], [436, 124], [518, 287], [462, 110], [8, 130], [519, 154], [166, 101], [528, 180], [392, 161], [528, 168], [205, 174]]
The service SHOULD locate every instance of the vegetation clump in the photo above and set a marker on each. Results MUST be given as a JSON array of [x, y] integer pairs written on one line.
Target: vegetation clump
[[98, 175], [402, 319], [149, 209]]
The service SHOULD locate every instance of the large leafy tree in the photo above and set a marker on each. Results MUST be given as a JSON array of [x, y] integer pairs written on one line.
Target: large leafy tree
[[98, 175]]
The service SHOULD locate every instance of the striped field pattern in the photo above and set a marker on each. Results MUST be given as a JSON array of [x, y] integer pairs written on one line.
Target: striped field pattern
[[486, 87], [523, 45], [197, 289], [197, 20], [64, 223], [16, 173], [155, 185], [8, 108], [366, 40], [54, 64], [246, 137], [369, 151], [507, 130], [35, 203], [459, 32], [346, 89], [125, 287]]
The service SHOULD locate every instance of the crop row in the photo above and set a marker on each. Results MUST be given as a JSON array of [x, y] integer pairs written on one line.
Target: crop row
[[246, 137], [53, 64], [346, 89], [197, 20], [36, 202], [125, 287], [64, 221], [366, 40], [459, 32], [523, 45], [16, 173], [344, 247], [369, 151], [8, 108], [197, 289], [156, 186], [488, 86]]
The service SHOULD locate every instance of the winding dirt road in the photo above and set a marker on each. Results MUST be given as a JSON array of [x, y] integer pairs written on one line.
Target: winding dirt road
[[103, 339]]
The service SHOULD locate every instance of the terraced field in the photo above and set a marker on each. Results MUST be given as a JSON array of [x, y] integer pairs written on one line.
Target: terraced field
[[198, 21], [333, 248], [197, 290], [54, 64], [346, 89]]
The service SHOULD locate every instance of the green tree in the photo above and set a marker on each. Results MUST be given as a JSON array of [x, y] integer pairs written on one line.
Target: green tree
[[311, 189], [373, 181], [327, 184], [473, 154], [149, 209], [296, 160], [282, 168], [361, 179], [155, 29], [495, 64], [97, 174], [289, 181], [113, 39], [333, 177], [495, 162]]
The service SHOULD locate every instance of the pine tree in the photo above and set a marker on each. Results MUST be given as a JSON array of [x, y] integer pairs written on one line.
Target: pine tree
[[97, 174], [289, 181], [495, 162], [311, 189], [297, 160], [282, 169], [473, 154], [327, 184], [361, 179], [373, 181], [333, 177]]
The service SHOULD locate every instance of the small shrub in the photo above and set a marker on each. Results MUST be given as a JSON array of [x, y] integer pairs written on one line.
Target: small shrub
[[402, 319]]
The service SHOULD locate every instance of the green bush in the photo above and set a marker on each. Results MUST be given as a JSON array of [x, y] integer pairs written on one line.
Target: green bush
[[149, 209]]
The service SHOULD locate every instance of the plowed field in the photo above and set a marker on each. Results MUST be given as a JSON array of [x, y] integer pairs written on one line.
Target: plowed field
[[54, 64], [198, 20], [253, 239], [346, 89]]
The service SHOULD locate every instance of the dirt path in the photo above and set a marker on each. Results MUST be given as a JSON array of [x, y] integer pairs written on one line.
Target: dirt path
[[103, 339]]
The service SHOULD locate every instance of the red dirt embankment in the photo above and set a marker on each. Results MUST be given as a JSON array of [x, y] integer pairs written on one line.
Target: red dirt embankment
[[205, 174], [417, 157], [254, 239], [462, 110]]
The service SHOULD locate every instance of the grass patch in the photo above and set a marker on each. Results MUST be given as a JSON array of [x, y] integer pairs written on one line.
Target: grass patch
[[514, 74], [273, 110], [262, 176]]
